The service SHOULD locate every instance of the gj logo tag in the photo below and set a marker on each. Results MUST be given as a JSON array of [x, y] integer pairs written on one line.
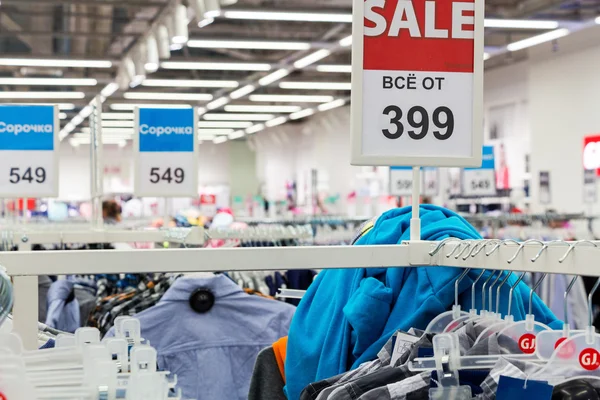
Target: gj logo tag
[[527, 343], [565, 351], [589, 359]]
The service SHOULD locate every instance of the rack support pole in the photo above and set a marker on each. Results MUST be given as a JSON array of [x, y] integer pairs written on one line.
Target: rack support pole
[[25, 307], [415, 222]]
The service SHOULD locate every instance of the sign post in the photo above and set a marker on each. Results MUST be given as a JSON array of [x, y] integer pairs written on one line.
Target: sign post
[[481, 182], [417, 84], [29, 151], [166, 153]]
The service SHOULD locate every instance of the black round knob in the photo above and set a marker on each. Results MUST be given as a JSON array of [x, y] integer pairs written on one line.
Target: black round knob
[[202, 300]]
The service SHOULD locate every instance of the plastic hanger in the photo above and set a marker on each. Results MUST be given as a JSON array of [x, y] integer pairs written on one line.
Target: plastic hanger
[[440, 322]]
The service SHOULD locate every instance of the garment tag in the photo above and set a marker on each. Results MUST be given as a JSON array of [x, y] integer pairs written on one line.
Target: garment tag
[[518, 389], [404, 342]]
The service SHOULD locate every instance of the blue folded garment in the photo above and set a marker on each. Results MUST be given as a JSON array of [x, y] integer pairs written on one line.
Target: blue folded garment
[[347, 315]]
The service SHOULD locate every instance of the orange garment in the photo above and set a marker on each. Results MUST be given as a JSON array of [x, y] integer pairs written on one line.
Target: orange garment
[[280, 349]]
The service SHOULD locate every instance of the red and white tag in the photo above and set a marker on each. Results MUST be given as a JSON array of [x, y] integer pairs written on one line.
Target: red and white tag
[[566, 351], [417, 83], [527, 343], [589, 359]]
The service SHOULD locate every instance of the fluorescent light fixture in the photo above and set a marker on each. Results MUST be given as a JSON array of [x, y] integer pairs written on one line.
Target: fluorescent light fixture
[[288, 16], [520, 24], [168, 96], [109, 89], [238, 117], [597, 20], [117, 116], [316, 85], [347, 41], [201, 111], [205, 22], [220, 139], [247, 44], [215, 132], [66, 106], [189, 83], [48, 81], [255, 128], [486, 56], [180, 24], [539, 39], [312, 58], [302, 114], [224, 124], [78, 119], [42, 95], [246, 90], [344, 69], [62, 115], [275, 76], [215, 66], [54, 63], [237, 135], [75, 142], [331, 105], [217, 103], [276, 121], [175, 46], [262, 109], [202, 137], [131, 106], [291, 98], [212, 9], [117, 124], [152, 58]]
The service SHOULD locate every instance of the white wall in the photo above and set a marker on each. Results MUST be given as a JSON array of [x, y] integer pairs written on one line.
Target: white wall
[[564, 107]]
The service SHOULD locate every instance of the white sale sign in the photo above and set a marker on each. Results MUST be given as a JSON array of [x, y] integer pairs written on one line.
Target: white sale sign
[[29, 151], [417, 84], [166, 152], [481, 181]]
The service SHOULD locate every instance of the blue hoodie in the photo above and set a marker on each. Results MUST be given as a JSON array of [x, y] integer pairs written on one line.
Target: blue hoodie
[[347, 315]]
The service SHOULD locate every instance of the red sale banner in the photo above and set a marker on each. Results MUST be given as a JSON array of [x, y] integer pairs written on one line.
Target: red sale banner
[[419, 35]]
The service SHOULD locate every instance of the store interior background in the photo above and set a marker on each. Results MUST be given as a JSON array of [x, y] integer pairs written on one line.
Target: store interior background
[[539, 108]]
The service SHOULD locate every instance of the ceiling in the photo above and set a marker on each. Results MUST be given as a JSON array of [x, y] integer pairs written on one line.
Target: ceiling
[[114, 29]]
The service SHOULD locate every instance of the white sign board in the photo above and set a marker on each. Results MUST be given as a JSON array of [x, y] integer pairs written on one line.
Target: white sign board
[[431, 181], [166, 152], [417, 83], [401, 179], [29, 151], [481, 181]]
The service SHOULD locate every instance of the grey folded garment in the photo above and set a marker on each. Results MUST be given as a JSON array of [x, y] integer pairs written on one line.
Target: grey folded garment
[[267, 382]]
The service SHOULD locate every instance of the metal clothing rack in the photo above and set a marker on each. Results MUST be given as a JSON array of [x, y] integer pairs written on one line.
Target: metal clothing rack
[[577, 258]]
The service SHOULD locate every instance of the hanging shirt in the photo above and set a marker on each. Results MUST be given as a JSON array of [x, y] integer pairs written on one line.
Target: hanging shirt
[[63, 308], [213, 353]]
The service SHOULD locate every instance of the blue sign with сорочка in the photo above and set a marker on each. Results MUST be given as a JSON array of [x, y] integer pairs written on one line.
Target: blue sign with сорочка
[[166, 129], [26, 127]]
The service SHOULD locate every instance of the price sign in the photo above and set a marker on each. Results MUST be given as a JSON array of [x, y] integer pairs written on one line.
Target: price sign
[[166, 152], [417, 83], [431, 181], [481, 181], [28, 151], [590, 188], [401, 179]]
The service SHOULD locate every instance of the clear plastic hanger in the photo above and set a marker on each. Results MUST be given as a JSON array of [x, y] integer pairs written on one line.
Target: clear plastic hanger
[[549, 340]]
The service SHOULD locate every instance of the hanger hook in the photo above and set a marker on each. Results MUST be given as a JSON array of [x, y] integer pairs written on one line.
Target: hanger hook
[[521, 246], [473, 288], [454, 249], [498, 291], [491, 290], [571, 284], [467, 247], [545, 246], [572, 246], [483, 291], [533, 289], [493, 241], [510, 293], [460, 278], [440, 245], [501, 242], [590, 316]]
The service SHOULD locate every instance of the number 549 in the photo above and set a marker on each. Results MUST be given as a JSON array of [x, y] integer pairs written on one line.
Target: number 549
[[177, 175]]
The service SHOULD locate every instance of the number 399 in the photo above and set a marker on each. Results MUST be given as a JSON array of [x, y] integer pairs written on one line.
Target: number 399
[[418, 119]]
